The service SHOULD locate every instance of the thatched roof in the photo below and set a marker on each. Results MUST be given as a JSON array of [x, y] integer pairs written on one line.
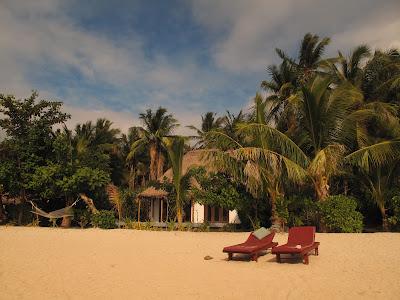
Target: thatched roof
[[152, 192], [191, 159]]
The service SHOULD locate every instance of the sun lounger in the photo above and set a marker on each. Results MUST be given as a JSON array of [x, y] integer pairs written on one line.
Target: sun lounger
[[252, 246], [301, 241]]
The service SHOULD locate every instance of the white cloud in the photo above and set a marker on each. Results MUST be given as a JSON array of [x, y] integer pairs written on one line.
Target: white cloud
[[249, 31], [36, 36]]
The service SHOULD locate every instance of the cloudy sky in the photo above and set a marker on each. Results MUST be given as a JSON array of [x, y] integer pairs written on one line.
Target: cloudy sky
[[115, 59]]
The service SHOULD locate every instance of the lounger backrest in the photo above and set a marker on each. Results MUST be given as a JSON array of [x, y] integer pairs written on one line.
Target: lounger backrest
[[304, 235]]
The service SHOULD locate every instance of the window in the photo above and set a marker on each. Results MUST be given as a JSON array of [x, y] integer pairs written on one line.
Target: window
[[216, 214]]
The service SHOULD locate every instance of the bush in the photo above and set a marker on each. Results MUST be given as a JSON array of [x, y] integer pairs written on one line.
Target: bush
[[297, 211], [394, 208], [338, 213], [82, 217], [104, 219]]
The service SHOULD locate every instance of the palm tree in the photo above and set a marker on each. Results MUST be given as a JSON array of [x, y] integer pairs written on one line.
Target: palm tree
[[156, 126], [208, 122], [231, 121], [261, 160], [350, 68], [381, 77], [283, 84], [323, 111], [376, 159], [135, 166], [175, 148], [377, 167], [309, 58]]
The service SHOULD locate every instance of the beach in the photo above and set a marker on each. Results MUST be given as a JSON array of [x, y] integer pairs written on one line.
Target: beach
[[54, 263]]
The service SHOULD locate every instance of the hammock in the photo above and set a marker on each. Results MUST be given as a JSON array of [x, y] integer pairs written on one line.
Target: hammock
[[56, 214]]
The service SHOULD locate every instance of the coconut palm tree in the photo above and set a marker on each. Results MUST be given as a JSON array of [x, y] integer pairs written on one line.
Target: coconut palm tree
[[175, 147], [376, 158], [309, 58], [261, 160], [350, 68], [208, 122], [156, 126], [377, 167], [283, 84], [136, 170], [322, 136], [381, 77]]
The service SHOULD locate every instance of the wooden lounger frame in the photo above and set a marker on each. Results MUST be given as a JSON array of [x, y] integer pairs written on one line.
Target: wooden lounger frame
[[304, 254]]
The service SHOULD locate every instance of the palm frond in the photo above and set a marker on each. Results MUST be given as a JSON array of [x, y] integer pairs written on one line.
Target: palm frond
[[379, 154]]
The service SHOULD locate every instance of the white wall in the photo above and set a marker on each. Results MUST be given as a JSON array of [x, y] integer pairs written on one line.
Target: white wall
[[198, 213]]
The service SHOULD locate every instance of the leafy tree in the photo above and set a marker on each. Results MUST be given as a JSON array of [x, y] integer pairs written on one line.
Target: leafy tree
[[28, 124]]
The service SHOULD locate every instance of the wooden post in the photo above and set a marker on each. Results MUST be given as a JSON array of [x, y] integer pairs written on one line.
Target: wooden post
[[139, 200], [161, 209]]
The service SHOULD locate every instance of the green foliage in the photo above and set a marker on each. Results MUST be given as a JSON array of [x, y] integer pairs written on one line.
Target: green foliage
[[82, 217], [297, 211], [85, 180], [215, 189], [339, 214], [104, 219], [394, 219]]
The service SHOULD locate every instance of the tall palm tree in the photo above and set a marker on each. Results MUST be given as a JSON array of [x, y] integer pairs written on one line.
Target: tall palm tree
[[282, 85], [350, 68], [376, 156], [175, 147], [135, 166], [323, 111], [381, 77], [156, 126], [309, 58], [261, 160], [231, 121], [208, 122]]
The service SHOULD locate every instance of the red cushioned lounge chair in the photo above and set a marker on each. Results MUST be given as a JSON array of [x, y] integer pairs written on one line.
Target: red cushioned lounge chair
[[301, 240], [252, 246]]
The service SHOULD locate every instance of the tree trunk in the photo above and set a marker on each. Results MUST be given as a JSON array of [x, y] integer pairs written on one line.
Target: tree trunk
[[160, 165], [321, 187], [2, 214], [66, 221], [275, 220], [21, 207], [132, 177], [89, 202], [179, 215], [385, 223], [153, 161]]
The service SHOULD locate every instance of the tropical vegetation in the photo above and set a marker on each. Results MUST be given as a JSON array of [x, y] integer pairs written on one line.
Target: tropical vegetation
[[320, 146]]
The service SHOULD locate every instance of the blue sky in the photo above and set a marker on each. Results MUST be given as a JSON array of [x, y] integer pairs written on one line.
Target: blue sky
[[115, 59]]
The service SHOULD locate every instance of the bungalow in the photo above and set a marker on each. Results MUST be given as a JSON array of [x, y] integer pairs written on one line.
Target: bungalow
[[193, 212]]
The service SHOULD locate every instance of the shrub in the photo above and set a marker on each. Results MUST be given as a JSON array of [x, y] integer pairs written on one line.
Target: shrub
[[394, 219], [104, 219], [82, 216], [338, 213]]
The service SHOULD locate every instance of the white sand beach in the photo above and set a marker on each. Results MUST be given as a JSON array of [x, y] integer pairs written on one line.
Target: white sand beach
[[47, 263]]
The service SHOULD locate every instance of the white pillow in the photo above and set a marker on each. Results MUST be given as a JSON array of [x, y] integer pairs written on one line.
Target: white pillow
[[261, 233]]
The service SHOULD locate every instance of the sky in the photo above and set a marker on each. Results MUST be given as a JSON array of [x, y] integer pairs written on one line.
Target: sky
[[115, 59]]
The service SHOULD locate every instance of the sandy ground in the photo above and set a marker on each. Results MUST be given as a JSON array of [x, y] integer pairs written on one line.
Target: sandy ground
[[47, 263]]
